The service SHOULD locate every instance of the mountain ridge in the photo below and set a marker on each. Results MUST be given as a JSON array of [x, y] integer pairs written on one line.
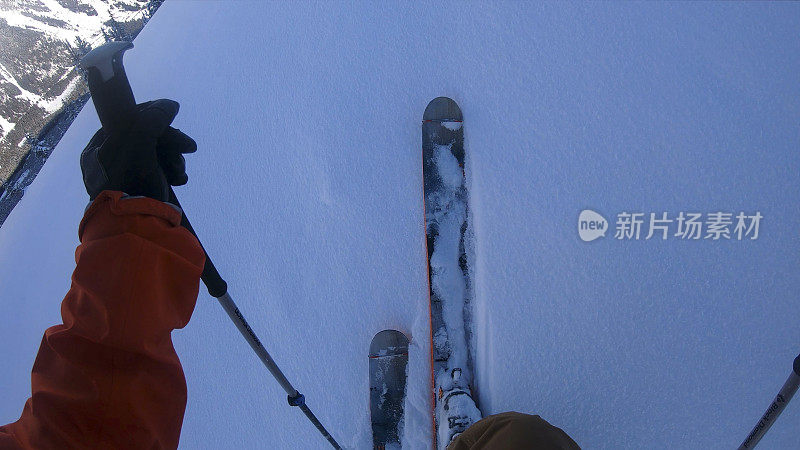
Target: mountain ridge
[[41, 90]]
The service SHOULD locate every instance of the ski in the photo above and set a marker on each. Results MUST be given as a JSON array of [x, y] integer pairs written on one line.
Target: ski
[[446, 214], [388, 357]]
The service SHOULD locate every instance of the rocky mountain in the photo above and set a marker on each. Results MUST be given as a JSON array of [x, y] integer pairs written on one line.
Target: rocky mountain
[[40, 88]]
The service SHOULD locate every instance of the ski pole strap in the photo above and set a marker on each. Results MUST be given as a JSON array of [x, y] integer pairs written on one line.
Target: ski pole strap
[[775, 408]]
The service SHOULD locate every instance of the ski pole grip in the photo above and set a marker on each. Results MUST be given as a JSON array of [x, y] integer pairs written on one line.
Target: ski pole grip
[[111, 92], [113, 99]]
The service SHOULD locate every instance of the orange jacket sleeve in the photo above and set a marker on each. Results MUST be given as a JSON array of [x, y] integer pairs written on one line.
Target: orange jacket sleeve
[[109, 377]]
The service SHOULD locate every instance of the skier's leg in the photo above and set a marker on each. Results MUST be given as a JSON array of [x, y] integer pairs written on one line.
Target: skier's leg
[[512, 430]]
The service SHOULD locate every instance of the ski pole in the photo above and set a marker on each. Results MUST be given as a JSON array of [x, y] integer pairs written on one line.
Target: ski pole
[[775, 408], [114, 101], [218, 288]]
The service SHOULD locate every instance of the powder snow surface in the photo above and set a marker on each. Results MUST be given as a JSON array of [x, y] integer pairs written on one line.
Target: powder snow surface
[[307, 192]]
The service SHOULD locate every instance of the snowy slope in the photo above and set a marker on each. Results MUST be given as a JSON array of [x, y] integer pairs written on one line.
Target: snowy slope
[[306, 191]]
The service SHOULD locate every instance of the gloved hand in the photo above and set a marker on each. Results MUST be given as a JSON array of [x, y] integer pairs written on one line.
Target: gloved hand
[[143, 160]]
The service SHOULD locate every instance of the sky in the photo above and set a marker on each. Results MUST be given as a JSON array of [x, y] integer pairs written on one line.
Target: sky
[[307, 192]]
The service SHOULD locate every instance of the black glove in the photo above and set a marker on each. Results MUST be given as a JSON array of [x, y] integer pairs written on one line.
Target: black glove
[[145, 159]]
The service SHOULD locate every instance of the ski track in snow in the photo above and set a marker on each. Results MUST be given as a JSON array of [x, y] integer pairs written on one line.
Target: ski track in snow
[[417, 423]]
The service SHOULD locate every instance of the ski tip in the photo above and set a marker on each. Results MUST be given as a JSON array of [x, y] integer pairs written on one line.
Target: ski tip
[[388, 343], [442, 109]]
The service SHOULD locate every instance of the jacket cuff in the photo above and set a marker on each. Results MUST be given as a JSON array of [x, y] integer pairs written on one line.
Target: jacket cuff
[[121, 204]]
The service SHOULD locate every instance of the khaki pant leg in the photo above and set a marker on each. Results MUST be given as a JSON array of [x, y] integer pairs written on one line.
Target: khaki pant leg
[[513, 430]]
